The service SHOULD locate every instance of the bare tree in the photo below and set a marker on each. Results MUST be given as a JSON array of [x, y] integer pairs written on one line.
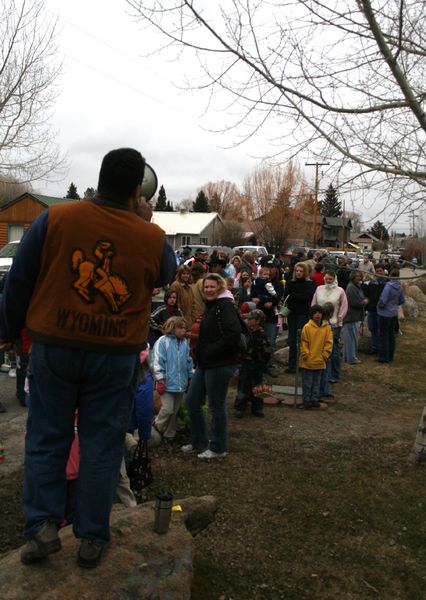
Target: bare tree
[[185, 205], [231, 234], [224, 198], [271, 193], [343, 79], [11, 189], [356, 220], [28, 70]]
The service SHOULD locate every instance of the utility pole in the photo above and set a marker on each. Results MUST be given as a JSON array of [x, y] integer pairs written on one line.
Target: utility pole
[[412, 225], [317, 165]]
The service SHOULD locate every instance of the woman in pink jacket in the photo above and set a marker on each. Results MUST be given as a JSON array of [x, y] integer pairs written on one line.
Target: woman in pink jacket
[[331, 292]]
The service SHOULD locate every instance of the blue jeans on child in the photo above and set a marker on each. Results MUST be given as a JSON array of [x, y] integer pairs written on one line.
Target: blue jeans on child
[[102, 387], [213, 383], [311, 386]]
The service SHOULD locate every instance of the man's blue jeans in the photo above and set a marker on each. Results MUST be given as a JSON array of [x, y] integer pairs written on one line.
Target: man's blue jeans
[[350, 342], [295, 323], [271, 331], [334, 360], [373, 326], [102, 388], [387, 326], [213, 383]]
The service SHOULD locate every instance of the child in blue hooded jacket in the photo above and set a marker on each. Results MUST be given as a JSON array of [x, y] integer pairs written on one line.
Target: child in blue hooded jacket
[[173, 369]]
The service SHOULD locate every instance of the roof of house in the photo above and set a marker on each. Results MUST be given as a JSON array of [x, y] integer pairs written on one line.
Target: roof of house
[[45, 200], [337, 221], [365, 235], [174, 223]]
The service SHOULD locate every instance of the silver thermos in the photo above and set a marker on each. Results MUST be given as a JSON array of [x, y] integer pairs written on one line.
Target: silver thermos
[[163, 512]]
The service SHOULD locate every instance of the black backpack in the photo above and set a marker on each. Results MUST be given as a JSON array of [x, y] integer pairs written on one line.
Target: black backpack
[[245, 333]]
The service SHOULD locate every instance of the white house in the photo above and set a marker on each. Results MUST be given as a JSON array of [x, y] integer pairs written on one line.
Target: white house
[[365, 241], [184, 228]]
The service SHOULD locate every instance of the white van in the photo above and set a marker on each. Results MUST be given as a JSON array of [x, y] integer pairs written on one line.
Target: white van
[[261, 250]]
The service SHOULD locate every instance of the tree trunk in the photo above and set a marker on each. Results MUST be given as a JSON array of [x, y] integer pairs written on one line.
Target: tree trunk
[[418, 452]]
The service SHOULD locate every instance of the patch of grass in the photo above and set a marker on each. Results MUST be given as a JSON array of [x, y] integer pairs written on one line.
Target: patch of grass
[[312, 505]]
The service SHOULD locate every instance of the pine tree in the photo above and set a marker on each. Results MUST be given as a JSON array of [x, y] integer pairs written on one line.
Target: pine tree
[[161, 200], [331, 205], [89, 193], [379, 231], [169, 206], [201, 203], [72, 192]]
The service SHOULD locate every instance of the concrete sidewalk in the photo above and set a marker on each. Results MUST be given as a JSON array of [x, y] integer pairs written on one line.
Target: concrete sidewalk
[[12, 426]]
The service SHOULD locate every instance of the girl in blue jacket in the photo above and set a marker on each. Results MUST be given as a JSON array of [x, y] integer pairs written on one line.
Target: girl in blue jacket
[[172, 367], [143, 408]]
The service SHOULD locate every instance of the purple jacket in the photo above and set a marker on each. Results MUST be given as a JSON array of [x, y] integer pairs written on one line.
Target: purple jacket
[[391, 297]]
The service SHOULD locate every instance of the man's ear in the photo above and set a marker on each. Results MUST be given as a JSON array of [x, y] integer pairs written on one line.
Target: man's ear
[[134, 197]]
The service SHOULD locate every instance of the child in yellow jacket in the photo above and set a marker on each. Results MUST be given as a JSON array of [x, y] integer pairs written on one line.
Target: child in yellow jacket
[[316, 345]]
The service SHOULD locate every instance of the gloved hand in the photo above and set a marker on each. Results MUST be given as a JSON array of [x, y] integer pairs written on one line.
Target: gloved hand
[[161, 387]]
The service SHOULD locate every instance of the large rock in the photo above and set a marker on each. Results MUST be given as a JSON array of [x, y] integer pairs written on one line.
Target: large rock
[[415, 292], [410, 307], [281, 355], [138, 564]]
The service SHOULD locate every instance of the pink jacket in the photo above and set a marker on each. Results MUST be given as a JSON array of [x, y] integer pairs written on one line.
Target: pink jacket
[[336, 295]]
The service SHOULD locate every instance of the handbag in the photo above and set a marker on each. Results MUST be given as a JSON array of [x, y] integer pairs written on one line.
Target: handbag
[[284, 310], [139, 470]]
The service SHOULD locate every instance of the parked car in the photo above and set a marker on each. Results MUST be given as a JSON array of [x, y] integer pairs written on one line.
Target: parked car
[[7, 254]]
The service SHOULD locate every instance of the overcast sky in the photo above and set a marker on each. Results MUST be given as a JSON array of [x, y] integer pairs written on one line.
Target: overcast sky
[[112, 95]]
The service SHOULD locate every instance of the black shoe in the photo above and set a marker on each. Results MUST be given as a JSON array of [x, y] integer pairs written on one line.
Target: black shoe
[[168, 441], [290, 370], [46, 541], [258, 414], [238, 414], [2, 408], [89, 554]]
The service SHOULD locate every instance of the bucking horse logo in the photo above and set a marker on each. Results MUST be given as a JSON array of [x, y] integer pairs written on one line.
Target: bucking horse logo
[[97, 278]]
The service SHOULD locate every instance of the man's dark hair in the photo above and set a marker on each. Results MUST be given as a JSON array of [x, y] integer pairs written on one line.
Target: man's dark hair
[[121, 171]]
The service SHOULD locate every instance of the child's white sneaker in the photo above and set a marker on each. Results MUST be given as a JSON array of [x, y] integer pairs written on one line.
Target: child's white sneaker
[[187, 449], [210, 454]]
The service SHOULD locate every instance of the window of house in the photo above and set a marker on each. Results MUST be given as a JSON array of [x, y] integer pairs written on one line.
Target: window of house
[[204, 241], [186, 240], [15, 233]]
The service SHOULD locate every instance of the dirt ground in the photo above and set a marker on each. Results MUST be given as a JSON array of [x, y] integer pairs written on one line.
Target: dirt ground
[[318, 505]]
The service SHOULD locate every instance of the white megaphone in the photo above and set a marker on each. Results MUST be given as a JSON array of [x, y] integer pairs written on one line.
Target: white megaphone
[[149, 183]]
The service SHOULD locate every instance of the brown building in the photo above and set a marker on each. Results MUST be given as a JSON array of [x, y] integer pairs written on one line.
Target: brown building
[[17, 215], [336, 232]]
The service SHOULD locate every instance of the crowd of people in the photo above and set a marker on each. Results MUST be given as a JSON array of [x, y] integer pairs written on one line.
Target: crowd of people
[[89, 303], [320, 304]]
